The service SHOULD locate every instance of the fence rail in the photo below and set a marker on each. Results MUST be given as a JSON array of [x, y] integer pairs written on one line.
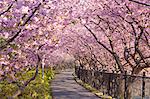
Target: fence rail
[[119, 86]]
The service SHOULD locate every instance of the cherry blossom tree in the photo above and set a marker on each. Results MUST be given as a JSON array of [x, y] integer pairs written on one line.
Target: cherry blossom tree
[[125, 26], [100, 34]]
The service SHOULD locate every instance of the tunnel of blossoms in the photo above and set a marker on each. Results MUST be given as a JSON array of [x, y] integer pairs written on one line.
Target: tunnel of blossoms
[[112, 35]]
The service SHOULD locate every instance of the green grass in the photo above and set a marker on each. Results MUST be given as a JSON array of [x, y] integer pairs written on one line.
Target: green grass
[[37, 89]]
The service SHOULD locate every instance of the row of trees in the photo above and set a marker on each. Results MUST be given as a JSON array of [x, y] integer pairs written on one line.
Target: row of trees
[[115, 37], [100, 34], [113, 34]]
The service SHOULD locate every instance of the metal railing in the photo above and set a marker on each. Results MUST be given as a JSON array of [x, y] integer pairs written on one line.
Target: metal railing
[[119, 86]]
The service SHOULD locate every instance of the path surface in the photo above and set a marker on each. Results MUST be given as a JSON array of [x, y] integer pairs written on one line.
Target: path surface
[[65, 87]]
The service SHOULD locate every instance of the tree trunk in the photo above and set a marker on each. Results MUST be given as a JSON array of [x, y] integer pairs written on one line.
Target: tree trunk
[[43, 68]]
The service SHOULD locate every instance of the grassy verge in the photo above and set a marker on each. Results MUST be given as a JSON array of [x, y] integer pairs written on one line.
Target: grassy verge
[[37, 89], [91, 89]]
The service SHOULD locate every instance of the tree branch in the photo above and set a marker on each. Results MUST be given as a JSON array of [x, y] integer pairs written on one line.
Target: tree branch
[[9, 7], [141, 3], [116, 57], [98, 40], [21, 88], [19, 31]]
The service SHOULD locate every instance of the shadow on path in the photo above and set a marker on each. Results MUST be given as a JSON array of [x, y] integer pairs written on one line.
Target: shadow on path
[[65, 87]]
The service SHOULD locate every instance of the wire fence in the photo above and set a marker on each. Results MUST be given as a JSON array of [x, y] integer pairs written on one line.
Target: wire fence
[[119, 86]]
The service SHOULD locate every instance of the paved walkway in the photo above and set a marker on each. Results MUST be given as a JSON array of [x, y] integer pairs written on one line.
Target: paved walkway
[[65, 87]]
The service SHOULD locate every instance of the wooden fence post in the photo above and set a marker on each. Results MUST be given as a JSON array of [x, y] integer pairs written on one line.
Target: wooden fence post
[[143, 85], [125, 86], [109, 84], [79, 73], [93, 78]]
